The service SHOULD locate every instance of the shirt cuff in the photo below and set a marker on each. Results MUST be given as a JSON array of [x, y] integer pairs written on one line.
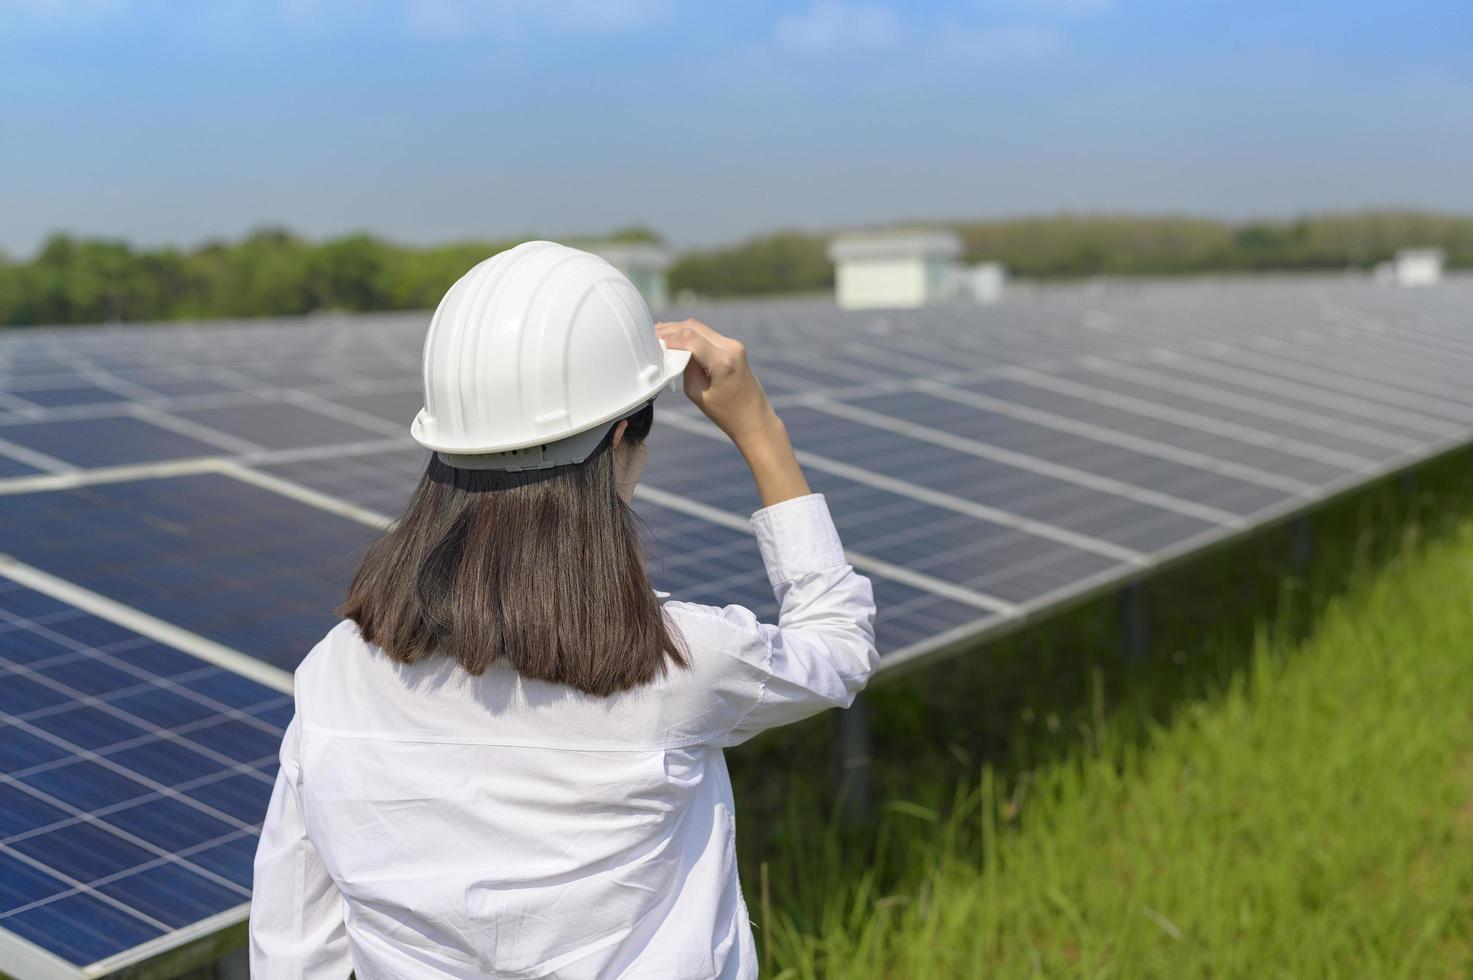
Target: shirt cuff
[[797, 536]]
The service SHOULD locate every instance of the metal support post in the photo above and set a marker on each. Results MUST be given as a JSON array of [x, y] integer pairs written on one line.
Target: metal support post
[[852, 761], [234, 965], [1135, 622], [1301, 543]]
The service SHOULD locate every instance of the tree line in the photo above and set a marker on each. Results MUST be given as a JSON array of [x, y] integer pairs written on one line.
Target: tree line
[[273, 272]]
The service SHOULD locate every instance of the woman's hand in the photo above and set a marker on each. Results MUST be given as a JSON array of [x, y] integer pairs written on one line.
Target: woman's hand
[[719, 381], [721, 384]]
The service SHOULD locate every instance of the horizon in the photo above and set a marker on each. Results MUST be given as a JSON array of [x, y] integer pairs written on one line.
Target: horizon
[[605, 235]]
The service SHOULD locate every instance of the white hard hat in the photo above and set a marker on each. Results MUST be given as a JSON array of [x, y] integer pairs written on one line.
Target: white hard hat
[[533, 355]]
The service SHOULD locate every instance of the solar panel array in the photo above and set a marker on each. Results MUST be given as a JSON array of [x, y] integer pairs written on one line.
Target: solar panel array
[[180, 507]]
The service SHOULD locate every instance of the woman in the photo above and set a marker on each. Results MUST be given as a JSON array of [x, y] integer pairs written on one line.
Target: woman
[[506, 761]]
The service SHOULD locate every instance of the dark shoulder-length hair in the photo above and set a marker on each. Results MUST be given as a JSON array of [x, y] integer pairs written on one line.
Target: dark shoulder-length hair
[[540, 569]]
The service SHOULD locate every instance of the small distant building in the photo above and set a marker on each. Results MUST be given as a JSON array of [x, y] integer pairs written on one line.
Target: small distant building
[[894, 269], [985, 281], [1418, 266], [645, 265]]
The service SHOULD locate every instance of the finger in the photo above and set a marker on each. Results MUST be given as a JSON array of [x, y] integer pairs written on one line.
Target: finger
[[702, 349], [665, 327], [716, 337], [695, 380]]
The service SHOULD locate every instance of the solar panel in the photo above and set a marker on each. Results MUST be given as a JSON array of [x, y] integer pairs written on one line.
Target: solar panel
[[59, 397], [1161, 472], [241, 565], [380, 481], [1259, 449], [133, 780], [104, 441], [14, 467], [277, 426], [1010, 565], [202, 491]]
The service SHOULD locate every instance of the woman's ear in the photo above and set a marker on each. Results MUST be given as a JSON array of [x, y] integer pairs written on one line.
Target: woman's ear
[[619, 433]]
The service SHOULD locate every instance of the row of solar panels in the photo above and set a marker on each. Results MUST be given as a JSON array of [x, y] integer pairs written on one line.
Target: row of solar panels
[[201, 494]]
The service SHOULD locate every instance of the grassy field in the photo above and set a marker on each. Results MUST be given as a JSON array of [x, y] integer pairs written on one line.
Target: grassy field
[[1284, 788]]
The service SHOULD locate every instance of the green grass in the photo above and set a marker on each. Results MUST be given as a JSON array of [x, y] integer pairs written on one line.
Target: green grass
[[1284, 790]]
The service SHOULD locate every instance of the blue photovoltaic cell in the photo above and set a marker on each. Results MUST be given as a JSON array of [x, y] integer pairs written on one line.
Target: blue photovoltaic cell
[[1051, 445], [246, 567], [278, 426], [398, 407], [1208, 367], [10, 467], [704, 563], [381, 482], [174, 385], [115, 751], [1084, 510], [1280, 424], [1000, 561], [1134, 421], [64, 396], [111, 441]]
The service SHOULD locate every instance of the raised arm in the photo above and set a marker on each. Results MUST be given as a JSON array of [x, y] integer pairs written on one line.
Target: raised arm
[[821, 652], [721, 384]]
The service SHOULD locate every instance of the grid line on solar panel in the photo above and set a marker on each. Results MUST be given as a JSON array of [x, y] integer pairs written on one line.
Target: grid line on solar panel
[[24, 456], [1277, 360], [218, 397], [1153, 407], [238, 564], [1097, 521], [1087, 471], [1160, 427], [698, 561], [222, 441], [1198, 397], [861, 561], [13, 467], [1227, 377], [1415, 365], [381, 481], [144, 698], [104, 822], [992, 558], [1151, 447], [277, 425], [102, 441], [942, 499], [1425, 342]]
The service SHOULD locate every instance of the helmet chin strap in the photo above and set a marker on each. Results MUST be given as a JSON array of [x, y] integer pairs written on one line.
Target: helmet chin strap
[[574, 449]]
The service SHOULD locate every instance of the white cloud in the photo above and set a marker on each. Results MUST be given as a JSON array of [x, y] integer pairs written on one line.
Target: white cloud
[[1075, 7], [59, 13], [1002, 46], [459, 18], [840, 27], [836, 27]]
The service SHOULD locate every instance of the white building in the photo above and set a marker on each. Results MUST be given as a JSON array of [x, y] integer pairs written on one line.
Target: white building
[[644, 264], [1418, 266], [984, 282], [894, 269]]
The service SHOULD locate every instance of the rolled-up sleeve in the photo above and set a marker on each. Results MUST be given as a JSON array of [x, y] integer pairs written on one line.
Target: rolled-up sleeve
[[821, 652], [297, 927]]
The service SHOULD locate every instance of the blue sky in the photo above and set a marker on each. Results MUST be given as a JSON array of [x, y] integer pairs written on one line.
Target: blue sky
[[428, 120]]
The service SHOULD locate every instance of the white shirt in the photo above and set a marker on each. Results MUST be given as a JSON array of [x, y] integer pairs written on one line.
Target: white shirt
[[428, 823]]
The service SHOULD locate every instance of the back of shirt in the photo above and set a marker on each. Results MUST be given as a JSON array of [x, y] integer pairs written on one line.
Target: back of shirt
[[431, 823]]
